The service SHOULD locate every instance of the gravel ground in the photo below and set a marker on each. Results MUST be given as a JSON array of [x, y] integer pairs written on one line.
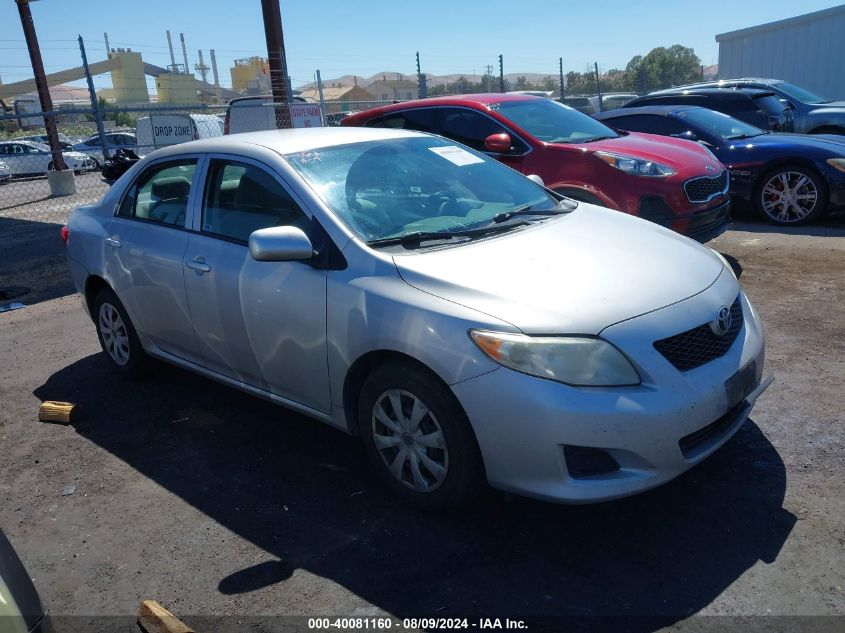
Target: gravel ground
[[215, 503]]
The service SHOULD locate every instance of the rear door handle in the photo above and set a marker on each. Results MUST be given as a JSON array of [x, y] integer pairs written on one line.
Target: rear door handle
[[198, 264], [113, 242]]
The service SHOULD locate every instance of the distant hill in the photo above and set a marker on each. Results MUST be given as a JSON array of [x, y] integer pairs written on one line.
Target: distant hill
[[432, 80]]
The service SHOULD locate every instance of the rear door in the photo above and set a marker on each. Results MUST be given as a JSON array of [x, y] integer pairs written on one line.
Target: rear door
[[261, 323], [144, 249]]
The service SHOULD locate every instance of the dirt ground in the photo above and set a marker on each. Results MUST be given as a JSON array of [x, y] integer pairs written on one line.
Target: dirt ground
[[218, 504]]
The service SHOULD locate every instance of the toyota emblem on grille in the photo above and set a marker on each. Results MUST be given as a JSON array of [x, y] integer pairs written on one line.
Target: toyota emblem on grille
[[722, 323]]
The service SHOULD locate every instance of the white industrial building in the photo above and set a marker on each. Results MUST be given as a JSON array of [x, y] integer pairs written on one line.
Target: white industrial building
[[805, 50]]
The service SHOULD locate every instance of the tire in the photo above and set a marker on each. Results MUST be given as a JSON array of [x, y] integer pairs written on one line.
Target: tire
[[118, 337], [805, 184], [444, 472], [581, 196]]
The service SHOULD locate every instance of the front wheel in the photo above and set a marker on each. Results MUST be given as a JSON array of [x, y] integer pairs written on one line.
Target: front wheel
[[418, 438], [791, 195]]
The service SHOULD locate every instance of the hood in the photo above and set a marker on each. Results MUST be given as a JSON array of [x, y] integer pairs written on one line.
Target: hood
[[825, 142], [573, 274], [687, 158]]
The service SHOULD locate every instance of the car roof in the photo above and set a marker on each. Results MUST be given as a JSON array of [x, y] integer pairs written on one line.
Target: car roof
[[482, 99], [21, 141], [289, 141], [666, 110], [724, 93]]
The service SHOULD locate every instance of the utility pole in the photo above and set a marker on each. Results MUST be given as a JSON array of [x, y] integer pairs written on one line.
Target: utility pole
[[201, 68], [98, 115], [422, 86], [598, 87], [276, 56], [41, 84], [488, 78], [561, 79], [501, 74], [108, 48]]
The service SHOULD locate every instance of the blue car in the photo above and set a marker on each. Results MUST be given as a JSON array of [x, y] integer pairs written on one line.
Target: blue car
[[790, 179]]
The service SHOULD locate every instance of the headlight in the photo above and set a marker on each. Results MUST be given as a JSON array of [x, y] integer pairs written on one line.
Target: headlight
[[635, 166], [580, 361], [837, 163]]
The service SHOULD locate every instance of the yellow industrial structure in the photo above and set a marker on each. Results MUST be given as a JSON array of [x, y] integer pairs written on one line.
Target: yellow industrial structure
[[246, 70], [129, 85]]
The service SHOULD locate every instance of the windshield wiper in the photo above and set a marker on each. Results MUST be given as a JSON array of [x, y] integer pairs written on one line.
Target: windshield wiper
[[410, 239], [564, 206], [595, 138]]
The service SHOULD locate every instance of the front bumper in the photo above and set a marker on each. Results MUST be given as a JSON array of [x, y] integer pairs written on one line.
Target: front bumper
[[701, 225], [524, 424]]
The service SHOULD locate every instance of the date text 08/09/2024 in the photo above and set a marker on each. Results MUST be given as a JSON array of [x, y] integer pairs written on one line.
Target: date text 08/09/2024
[[410, 624]]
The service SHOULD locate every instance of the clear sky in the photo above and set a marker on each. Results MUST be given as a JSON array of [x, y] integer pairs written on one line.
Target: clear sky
[[367, 36]]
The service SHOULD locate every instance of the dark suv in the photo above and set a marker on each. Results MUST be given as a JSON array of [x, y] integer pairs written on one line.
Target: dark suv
[[760, 108], [813, 113]]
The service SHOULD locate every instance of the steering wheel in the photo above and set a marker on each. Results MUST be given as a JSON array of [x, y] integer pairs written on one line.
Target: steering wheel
[[447, 198]]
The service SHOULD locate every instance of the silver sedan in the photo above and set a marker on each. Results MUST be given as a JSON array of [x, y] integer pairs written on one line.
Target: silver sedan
[[468, 324]]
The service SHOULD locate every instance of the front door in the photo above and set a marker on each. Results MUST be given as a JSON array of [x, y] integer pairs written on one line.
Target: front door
[[471, 128], [261, 323]]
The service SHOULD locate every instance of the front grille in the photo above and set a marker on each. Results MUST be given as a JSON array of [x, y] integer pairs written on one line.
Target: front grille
[[700, 345], [707, 187]]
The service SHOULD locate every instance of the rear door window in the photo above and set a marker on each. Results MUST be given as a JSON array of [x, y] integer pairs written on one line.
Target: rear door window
[[420, 120], [160, 194]]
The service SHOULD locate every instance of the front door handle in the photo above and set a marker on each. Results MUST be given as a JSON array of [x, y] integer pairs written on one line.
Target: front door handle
[[113, 242], [198, 264]]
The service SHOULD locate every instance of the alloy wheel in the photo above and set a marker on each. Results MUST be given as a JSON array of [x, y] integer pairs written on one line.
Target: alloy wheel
[[115, 336], [789, 196], [410, 440]]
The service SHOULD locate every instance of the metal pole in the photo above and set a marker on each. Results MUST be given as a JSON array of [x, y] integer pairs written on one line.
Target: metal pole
[[98, 115], [275, 51], [108, 48], [598, 87], [561, 79], [323, 116], [184, 52], [501, 74], [214, 72], [41, 84], [170, 48], [422, 84]]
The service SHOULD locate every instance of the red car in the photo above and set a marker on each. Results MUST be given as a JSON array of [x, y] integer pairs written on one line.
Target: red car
[[674, 182]]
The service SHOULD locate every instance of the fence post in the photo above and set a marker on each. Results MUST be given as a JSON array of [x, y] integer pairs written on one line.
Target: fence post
[[324, 118], [95, 105], [561, 79], [501, 74], [598, 87], [422, 86]]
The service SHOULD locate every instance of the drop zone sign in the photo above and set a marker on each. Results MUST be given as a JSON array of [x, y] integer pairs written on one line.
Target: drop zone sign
[[171, 129]]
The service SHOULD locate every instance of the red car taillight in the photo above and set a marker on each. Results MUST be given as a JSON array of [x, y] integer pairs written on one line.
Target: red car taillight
[[65, 233]]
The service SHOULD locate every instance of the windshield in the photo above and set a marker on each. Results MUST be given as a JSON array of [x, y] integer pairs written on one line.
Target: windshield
[[394, 187], [553, 122], [720, 124], [800, 93]]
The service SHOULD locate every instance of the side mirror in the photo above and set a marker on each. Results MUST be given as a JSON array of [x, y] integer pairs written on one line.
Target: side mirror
[[280, 244], [498, 143], [537, 179]]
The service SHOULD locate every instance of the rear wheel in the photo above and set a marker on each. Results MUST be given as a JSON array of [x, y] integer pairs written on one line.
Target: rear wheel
[[791, 195], [418, 438], [117, 335]]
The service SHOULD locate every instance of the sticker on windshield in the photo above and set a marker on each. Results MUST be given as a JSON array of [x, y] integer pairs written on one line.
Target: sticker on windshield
[[456, 155]]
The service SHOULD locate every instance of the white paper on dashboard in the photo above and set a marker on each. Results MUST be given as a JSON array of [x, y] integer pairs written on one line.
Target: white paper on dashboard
[[456, 155]]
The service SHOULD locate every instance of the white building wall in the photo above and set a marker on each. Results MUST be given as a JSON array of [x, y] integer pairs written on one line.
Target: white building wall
[[805, 50]]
